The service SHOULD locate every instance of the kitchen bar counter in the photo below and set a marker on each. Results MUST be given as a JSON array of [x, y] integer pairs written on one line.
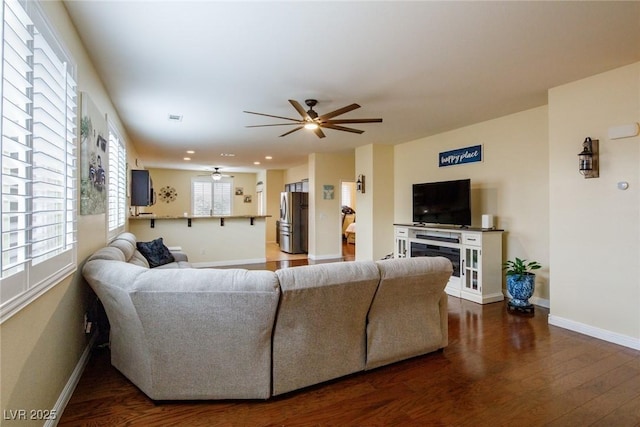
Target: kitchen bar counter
[[152, 218], [209, 241]]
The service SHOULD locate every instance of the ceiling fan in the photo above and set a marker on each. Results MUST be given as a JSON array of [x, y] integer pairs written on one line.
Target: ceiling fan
[[311, 120], [216, 175]]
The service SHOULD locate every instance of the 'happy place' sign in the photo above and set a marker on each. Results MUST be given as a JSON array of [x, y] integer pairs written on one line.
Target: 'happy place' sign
[[460, 156]]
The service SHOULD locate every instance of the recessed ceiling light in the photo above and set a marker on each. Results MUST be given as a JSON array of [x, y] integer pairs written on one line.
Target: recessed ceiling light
[[191, 152], [227, 155], [268, 157], [175, 118], [256, 163], [186, 158]]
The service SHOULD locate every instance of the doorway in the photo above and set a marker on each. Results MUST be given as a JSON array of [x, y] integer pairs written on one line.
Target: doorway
[[348, 217]]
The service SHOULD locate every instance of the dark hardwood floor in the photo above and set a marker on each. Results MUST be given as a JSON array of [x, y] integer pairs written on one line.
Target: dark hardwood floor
[[499, 369]]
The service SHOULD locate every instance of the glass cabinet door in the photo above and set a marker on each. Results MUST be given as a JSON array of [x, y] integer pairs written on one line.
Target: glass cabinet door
[[401, 248], [472, 269]]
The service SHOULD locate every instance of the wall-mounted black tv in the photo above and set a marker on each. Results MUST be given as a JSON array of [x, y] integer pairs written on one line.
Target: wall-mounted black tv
[[445, 202]]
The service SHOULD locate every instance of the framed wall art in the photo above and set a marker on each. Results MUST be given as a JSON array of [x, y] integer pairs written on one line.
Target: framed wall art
[[94, 158]]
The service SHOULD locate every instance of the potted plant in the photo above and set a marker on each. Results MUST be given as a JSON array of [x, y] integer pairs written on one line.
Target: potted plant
[[520, 281]]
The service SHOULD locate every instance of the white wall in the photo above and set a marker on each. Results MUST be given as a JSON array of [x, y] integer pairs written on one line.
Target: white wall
[[594, 227], [512, 181]]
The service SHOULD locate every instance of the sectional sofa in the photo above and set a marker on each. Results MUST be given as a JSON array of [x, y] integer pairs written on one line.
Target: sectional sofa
[[184, 333]]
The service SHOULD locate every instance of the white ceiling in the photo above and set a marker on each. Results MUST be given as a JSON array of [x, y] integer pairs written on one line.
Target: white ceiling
[[424, 67]]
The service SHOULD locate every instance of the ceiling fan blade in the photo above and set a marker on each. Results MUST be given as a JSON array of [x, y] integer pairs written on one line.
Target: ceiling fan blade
[[292, 130], [319, 132], [343, 121], [276, 124], [336, 127], [270, 115], [299, 109], [338, 112]]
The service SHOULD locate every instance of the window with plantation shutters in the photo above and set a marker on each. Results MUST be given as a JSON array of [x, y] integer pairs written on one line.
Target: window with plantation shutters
[[346, 194], [38, 158], [117, 183], [210, 197]]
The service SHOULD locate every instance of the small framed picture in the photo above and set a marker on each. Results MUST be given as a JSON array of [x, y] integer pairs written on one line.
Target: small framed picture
[[239, 191], [247, 199], [327, 192]]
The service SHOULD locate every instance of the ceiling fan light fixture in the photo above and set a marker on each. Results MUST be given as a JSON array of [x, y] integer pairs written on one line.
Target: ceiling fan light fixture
[[312, 121], [216, 175]]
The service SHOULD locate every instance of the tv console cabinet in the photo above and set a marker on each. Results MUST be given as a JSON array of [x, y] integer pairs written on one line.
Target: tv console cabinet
[[476, 255]]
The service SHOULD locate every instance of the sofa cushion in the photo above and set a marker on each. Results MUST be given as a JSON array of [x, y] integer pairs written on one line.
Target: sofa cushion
[[155, 252], [321, 323], [175, 264], [139, 259], [408, 316], [127, 247], [208, 331], [108, 253]]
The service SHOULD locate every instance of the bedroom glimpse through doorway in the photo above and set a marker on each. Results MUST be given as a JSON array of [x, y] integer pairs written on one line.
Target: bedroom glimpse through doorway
[[348, 215]]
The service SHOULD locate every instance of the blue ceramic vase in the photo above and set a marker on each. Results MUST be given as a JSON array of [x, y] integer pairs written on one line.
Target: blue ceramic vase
[[521, 288]]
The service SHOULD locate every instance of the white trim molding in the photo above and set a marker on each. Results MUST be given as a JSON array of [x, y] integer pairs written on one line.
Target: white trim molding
[[592, 331], [324, 257], [537, 301], [72, 383]]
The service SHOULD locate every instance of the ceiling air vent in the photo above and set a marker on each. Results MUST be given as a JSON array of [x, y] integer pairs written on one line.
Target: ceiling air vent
[[175, 118]]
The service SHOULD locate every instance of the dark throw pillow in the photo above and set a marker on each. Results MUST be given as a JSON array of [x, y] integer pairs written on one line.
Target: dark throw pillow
[[155, 252]]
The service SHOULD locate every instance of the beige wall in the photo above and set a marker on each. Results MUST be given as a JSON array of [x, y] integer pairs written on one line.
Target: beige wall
[[296, 174], [325, 228], [181, 181], [512, 181], [595, 227], [274, 185], [42, 344], [374, 233], [207, 242]]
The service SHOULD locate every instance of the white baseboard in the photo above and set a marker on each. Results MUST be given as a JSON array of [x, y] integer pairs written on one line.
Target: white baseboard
[[540, 301], [324, 257], [592, 331], [70, 387], [210, 264]]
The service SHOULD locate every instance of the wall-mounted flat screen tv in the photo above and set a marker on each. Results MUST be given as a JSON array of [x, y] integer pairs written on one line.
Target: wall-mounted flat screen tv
[[445, 202]]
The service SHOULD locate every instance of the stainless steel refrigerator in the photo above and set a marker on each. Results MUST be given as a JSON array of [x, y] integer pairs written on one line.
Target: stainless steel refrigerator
[[294, 222]]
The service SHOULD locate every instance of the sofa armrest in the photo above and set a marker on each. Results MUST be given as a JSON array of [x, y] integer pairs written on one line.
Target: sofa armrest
[[179, 255]]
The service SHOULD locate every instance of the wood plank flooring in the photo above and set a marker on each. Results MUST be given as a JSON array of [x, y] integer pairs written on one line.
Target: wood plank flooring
[[500, 369]]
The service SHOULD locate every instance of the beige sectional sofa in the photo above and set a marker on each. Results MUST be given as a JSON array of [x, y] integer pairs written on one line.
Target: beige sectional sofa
[[184, 333]]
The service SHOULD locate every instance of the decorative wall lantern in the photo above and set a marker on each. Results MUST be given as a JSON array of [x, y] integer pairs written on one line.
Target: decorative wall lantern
[[360, 184], [588, 159]]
